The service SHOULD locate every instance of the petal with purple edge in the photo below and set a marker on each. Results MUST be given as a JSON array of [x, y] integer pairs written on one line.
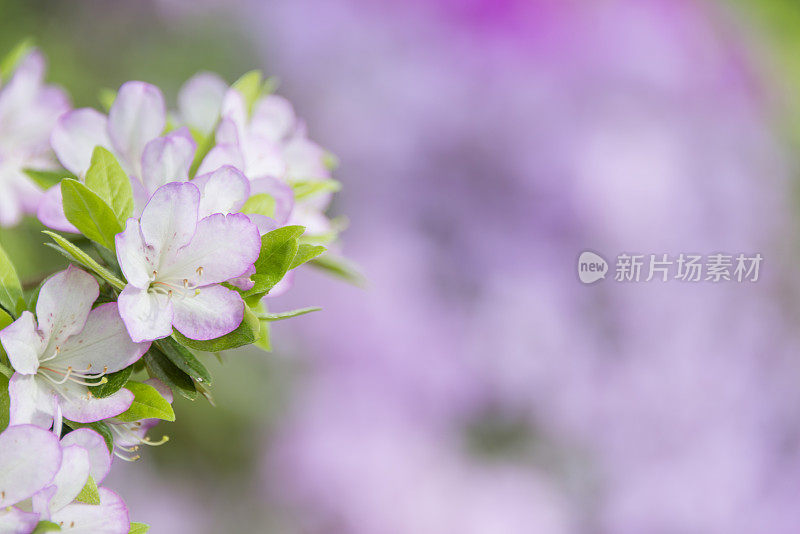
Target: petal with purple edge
[[273, 118], [95, 446], [32, 401], [51, 211], [169, 220], [167, 159], [68, 481], [135, 259], [213, 312], [223, 247], [65, 301], [24, 84], [147, 316], [222, 191], [23, 344], [137, 116], [222, 154], [15, 521], [75, 136], [280, 191], [109, 517], [77, 405], [200, 100], [89, 349], [29, 459]]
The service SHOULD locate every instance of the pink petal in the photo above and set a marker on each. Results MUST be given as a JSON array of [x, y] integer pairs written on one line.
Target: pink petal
[[23, 344], [200, 101], [51, 211], [65, 301], [95, 446], [75, 136], [167, 159], [222, 191], [29, 459], [213, 312], [137, 116], [146, 316]]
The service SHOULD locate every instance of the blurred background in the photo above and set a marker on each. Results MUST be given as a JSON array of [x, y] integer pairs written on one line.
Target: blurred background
[[475, 386]]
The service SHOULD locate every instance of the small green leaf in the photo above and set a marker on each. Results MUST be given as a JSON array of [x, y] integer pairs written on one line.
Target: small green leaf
[[47, 179], [5, 401], [115, 382], [287, 314], [99, 427], [89, 493], [5, 319], [249, 85], [5, 370], [159, 366], [106, 97], [278, 249], [46, 526], [84, 259], [260, 204], [205, 142], [147, 404], [11, 298], [139, 528], [245, 334], [106, 178], [184, 359], [341, 268], [11, 60], [89, 213], [264, 340], [304, 189], [306, 253]]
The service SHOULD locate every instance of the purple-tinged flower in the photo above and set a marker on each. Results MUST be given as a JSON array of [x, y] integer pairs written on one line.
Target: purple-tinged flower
[[84, 453], [129, 436], [28, 111], [56, 359], [200, 101], [175, 263], [132, 132], [29, 459]]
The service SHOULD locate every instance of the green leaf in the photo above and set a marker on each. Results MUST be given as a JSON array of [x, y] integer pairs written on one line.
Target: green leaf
[[184, 360], [84, 259], [115, 382], [278, 249], [264, 340], [304, 189], [89, 493], [147, 404], [11, 298], [46, 526], [306, 253], [5, 370], [11, 60], [159, 366], [249, 85], [260, 204], [106, 97], [139, 528], [287, 314], [341, 268], [245, 334], [205, 142], [5, 401], [106, 178], [47, 179], [5, 319], [89, 213], [99, 427]]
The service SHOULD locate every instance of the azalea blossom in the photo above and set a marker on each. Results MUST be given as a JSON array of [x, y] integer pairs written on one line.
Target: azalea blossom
[[55, 360], [29, 459], [28, 110], [200, 102], [130, 436], [83, 453], [175, 263]]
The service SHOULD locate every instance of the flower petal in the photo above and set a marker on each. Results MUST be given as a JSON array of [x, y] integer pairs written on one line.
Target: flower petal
[[29, 459], [77, 405], [223, 247], [15, 521], [200, 100], [32, 402], [222, 191], [137, 116], [69, 481], [213, 312], [167, 159], [23, 344], [95, 446], [75, 136], [23, 85], [280, 191], [170, 218], [147, 316], [65, 301], [89, 349], [273, 118], [51, 211], [135, 260], [222, 154], [110, 517]]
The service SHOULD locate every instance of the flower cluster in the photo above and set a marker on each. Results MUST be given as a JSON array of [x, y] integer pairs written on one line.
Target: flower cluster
[[176, 226]]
